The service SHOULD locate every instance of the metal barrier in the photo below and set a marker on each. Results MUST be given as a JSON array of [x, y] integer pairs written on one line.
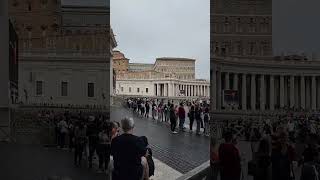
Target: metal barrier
[[202, 172]]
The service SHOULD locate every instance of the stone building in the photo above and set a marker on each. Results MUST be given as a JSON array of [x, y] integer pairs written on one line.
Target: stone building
[[167, 77], [242, 61], [65, 51]]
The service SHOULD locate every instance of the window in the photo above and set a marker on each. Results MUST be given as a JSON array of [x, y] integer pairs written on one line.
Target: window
[[90, 89], [64, 88], [138, 89], [147, 90], [39, 88], [121, 89], [129, 89]]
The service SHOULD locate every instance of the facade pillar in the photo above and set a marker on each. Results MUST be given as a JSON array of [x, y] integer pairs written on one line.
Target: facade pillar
[[271, 92], [292, 91], [253, 92], [235, 81], [192, 90], [318, 92], [262, 93], [227, 82], [303, 92], [218, 96], [187, 90], [281, 91], [314, 93], [213, 90], [244, 92], [158, 92]]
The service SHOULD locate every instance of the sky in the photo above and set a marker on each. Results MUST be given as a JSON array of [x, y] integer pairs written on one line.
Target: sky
[[147, 29]]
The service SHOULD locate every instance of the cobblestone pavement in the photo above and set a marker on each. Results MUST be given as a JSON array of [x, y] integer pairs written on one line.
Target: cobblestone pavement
[[182, 152]]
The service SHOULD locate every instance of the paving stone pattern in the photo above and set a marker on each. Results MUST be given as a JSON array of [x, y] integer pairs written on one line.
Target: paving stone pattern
[[183, 152]]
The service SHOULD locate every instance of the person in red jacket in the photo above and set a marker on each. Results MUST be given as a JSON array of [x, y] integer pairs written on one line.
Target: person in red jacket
[[182, 116], [229, 157]]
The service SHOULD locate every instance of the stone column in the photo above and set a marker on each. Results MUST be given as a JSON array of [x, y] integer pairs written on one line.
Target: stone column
[[235, 81], [218, 96], [292, 91], [158, 90], [227, 81], [192, 90], [244, 92], [271, 92], [187, 90], [262, 93], [253, 92], [303, 92], [281, 91], [318, 92], [314, 93], [213, 90]]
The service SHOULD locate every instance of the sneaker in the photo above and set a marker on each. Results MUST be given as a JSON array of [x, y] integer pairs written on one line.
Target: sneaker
[[175, 132]]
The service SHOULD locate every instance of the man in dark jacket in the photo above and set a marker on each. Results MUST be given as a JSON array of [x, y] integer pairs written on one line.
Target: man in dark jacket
[[127, 150]]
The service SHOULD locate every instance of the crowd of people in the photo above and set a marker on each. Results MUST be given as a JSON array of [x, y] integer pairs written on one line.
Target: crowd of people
[[93, 138], [173, 113], [280, 147], [280, 144]]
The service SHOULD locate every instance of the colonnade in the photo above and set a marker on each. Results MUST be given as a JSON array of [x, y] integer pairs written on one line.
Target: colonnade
[[268, 91], [181, 89]]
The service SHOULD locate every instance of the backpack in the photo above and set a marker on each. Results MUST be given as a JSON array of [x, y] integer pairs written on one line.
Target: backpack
[[150, 163]]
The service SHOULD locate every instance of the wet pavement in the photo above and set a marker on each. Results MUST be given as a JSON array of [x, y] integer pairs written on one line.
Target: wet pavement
[[183, 151]]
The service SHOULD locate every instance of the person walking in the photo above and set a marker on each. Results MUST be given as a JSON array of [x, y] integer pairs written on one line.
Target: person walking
[[104, 147], [310, 167], [154, 110], [80, 142], [63, 126], [147, 109], [127, 150], [263, 161], [92, 134], [166, 112], [282, 157], [191, 116], [198, 118], [173, 119], [160, 112], [182, 116]]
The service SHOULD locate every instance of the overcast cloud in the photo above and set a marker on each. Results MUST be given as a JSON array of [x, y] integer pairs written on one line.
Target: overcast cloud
[[147, 29]]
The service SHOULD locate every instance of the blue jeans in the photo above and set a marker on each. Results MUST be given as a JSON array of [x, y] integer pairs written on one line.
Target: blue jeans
[[181, 123]]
